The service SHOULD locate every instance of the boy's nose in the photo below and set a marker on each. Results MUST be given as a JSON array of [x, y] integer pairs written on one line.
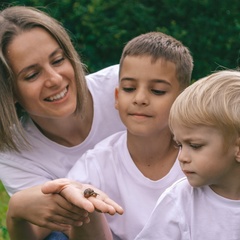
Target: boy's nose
[[141, 98]]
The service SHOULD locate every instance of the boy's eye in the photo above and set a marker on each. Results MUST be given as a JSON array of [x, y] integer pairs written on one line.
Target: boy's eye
[[128, 89], [158, 92]]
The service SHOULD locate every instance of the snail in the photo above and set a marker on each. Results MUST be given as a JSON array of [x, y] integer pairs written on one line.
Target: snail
[[89, 192]]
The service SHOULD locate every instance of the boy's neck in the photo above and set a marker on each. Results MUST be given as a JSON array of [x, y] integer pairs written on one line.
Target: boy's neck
[[229, 187], [154, 157]]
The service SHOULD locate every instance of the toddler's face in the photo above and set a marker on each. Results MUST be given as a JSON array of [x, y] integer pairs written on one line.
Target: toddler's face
[[203, 157]]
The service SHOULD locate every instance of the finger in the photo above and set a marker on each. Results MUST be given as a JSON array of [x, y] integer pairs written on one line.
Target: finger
[[75, 196], [55, 186], [101, 206], [101, 201], [58, 205], [106, 205], [68, 209], [116, 206], [70, 190], [66, 217]]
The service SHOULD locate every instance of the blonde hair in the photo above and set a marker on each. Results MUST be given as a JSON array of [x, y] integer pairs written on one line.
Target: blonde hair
[[159, 45], [212, 101], [13, 21]]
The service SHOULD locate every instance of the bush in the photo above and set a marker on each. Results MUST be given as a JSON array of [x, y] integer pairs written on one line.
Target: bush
[[100, 28]]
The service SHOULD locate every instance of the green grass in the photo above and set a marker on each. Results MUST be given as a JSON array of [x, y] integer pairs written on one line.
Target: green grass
[[4, 198]]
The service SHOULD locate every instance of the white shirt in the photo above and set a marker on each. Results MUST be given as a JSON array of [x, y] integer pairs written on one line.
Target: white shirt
[[48, 160], [187, 213], [110, 168]]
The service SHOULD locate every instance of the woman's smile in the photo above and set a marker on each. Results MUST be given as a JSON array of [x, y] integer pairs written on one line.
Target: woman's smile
[[58, 96], [45, 83]]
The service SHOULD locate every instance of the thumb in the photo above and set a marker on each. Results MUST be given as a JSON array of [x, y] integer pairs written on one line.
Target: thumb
[[55, 186]]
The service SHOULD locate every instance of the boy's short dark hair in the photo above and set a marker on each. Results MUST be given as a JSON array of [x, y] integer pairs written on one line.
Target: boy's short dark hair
[[159, 45]]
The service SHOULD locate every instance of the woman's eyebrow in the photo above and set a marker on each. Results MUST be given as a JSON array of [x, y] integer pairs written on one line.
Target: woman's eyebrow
[[34, 65]]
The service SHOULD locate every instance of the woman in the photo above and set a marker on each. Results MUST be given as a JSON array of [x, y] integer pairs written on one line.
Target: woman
[[61, 116]]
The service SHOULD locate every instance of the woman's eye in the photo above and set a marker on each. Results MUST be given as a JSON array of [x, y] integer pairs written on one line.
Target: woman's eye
[[58, 61], [128, 89], [31, 76], [158, 92]]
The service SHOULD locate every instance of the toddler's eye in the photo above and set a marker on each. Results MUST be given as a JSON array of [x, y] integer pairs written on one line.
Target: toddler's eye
[[195, 146]]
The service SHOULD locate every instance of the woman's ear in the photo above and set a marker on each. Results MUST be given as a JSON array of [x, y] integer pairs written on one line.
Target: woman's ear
[[116, 98], [238, 150]]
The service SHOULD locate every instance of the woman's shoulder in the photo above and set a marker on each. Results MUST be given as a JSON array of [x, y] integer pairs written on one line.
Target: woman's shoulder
[[104, 80], [105, 73]]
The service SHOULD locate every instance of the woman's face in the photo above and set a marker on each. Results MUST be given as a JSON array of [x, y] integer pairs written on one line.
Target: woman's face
[[45, 79]]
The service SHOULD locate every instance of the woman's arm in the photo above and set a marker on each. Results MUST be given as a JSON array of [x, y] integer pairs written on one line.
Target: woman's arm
[[32, 214], [73, 192], [96, 205]]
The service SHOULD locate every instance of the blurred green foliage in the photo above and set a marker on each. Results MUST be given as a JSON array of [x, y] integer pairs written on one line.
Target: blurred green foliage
[[4, 198], [101, 28]]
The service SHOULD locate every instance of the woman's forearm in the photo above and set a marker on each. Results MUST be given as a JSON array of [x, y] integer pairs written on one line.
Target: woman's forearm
[[22, 229], [33, 215], [19, 228]]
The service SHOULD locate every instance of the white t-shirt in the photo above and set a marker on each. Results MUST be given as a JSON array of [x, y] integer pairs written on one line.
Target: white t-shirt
[[186, 213], [48, 160], [110, 168]]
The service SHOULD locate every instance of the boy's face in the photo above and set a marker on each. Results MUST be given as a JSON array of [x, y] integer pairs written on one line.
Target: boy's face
[[145, 95], [203, 158]]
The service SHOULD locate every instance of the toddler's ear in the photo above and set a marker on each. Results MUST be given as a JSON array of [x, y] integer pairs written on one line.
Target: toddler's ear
[[238, 149]]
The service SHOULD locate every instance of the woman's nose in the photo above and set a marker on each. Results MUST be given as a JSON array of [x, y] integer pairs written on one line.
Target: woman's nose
[[52, 77]]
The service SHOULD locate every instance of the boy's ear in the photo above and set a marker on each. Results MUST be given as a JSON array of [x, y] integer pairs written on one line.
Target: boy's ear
[[116, 98], [238, 150]]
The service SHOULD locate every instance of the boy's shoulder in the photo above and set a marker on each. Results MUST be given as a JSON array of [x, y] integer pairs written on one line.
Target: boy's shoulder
[[111, 140], [181, 183], [180, 188], [108, 147]]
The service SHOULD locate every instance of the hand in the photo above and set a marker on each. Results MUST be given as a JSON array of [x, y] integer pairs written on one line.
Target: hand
[[50, 211], [73, 192]]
